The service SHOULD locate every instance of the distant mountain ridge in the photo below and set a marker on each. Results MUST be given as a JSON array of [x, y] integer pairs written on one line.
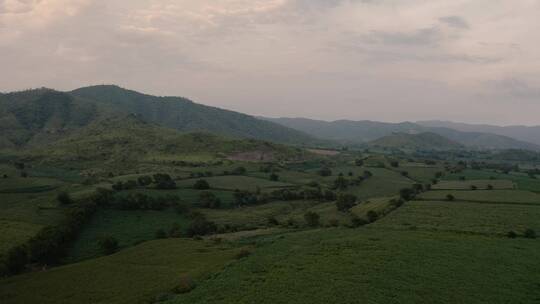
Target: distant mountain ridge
[[365, 131], [420, 141], [525, 133], [39, 116]]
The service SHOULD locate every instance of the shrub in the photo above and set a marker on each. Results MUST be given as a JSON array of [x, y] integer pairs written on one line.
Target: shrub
[[345, 202], [372, 216], [108, 245], [407, 194], [200, 226], [243, 253], [64, 198], [208, 199], [274, 177], [160, 234], [185, 285], [272, 221], [490, 187], [473, 187], [357, 221], [450, 197], [201, 184], [530, 234], [144, 180], [312, 218], [239, 171], [325, 172], [511, 234], [359, 162], [164, 181], [333, 222]]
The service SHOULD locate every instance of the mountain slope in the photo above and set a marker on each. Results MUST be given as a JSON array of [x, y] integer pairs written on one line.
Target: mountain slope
[[523, 133], [184, 115], [365, 131], [422, 141]]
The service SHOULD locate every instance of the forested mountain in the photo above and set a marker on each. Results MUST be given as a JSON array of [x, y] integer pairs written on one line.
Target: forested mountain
[[34, 117], [365, 131], [524, 133], [421, 141]]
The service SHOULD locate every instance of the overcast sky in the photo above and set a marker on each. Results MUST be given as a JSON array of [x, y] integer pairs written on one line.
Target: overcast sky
[[389, 60]]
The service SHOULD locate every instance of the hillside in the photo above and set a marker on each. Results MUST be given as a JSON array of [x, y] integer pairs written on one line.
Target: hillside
[[34, 117], [127, 140], [184, 115], [365, 131], [524, 133], [422, 141]]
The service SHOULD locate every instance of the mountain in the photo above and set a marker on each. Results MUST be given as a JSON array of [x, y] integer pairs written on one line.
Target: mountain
[[421, 141], [129, 140], [365, 131], [34, 117], [523, 133], [184, 115]]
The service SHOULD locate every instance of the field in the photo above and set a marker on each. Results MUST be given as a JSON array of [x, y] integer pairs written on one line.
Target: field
[[130, 276], [522, 182], [497, 219], [128, 227], [236, 182], [384, 182], [378, 266], [489, 196], [479, 184]]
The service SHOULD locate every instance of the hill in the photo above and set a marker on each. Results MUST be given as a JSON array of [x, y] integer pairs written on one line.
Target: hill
[[422, 141], [184, 115], [124, 141], [34, 117], [365, 131], [523, 133]]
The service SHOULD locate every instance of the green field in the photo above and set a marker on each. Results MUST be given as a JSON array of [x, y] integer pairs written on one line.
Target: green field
[[377, 266], [134, 275], [384, 182], [189, 196], [128, 227], [490, 196], [236, 182], [479, 184], [523, 182], [496, 219]]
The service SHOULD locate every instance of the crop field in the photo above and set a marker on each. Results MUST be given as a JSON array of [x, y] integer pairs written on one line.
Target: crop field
[[236, 182], [523, 182], [128, 227], [423, 174], [378, 266], [495, 219], [479, 184], [384, 182], [134, 275], [490, 196]]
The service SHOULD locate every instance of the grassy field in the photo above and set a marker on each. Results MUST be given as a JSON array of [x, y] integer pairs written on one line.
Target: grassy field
[[384, 182], [479, 183], [189, 196], [464, 217], [523, 182], [134, 275], [128, 227], [377, 266], [494, 196]]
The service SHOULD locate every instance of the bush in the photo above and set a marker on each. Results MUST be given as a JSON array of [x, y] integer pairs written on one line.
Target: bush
[[490, 187], [345, 202], [511, 234], [272, 221], [243, 253], [274, 177], [357, 221], [185, 285], [530, 234], [144, 180], [450, 197], [239, 171], [108, 245], [312, 219], [201, 184], [164, 181], [64, 198], [208, 199], [160, 234], [333, 222], [200, 226], [175, 231], [325, 172], [372, 216], [407, 194], [473, 187]]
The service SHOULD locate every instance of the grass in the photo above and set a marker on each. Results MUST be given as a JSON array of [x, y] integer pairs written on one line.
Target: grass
[[467, 184], [15, 233], [28, 185], [523, 182], [493, 196], [495, 219], [128, 227], [376, 266], [134, 275], [190, 196], [383, 183]]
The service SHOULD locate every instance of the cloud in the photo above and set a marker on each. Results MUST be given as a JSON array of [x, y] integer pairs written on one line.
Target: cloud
[[425, 36], [455, 21]]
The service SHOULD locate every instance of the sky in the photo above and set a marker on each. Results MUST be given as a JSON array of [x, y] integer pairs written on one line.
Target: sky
[[474, 61]]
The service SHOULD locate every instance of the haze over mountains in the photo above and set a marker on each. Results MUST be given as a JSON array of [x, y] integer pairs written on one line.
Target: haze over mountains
[[35, 117]]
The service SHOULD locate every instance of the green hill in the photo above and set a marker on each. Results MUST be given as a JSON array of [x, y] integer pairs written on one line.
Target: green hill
[[35, 117], [422, 141]]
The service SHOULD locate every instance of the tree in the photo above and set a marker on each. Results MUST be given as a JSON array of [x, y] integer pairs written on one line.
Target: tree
[[160, 234], [357, 221], [164, 181], [405, 173], [325, 171], [175, 231], [108, 245], [530, 234], [341, 183], [511, 234], [359, 162], [144, 180], [372, 216], [490, 187], [200, 226], [274, 177], [64, 198], [473, 187], [345, 202], [367, 174], [407, 194], [394, 163], [208, 199], [450, 197], [312, 218], [239, 171], [201, 184]]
